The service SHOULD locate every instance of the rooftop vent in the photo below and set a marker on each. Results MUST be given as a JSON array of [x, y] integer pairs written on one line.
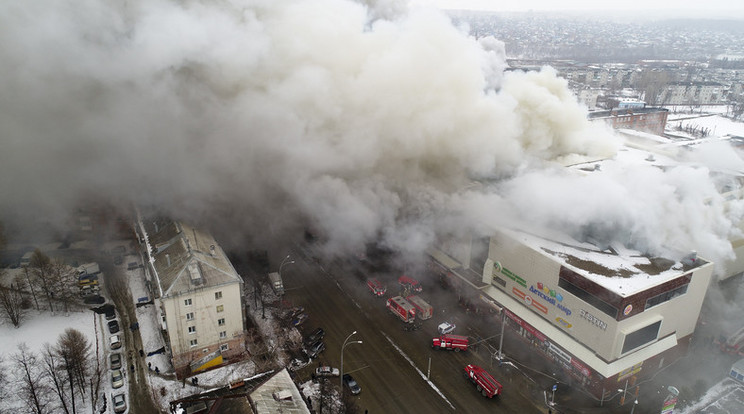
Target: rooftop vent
[[195, 272], [282, 395], [212, 251], [167, 259]]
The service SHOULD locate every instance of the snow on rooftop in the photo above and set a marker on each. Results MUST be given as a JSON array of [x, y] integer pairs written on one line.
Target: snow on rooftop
[[619, 269]]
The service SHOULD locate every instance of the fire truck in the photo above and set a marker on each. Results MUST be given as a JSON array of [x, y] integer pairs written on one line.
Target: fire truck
[[402, 309], [484, 382], [455, 343], [734, 344], [410, 283], [423, 309], [376, 287]]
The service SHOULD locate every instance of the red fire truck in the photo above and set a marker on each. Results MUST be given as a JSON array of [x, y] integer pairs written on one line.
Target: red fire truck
[[408, 282], [423, 309], [376, 287], [455, 343], [483, 381], [402, 309]]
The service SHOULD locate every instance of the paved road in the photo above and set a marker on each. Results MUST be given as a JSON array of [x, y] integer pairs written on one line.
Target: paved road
[[391, 364], [139, 398]]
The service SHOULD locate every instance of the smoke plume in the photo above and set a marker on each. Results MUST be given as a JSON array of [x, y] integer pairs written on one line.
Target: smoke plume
[[360, 121]]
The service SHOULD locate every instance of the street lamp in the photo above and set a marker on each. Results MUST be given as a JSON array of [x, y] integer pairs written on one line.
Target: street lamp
[[341, 374], [634, 406], [284, 262]]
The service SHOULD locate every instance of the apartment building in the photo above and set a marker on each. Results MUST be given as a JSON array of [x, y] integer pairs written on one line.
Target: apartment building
[[200, 295], [652, 120]]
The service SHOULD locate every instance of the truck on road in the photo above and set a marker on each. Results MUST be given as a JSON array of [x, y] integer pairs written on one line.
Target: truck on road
[[402, 309], [455, 343], [423, 309], [377, 288], [276, 283], [484, 382], [410, 284]]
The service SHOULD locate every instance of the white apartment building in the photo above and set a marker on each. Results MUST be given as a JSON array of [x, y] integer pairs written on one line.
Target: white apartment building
[[200, 295]]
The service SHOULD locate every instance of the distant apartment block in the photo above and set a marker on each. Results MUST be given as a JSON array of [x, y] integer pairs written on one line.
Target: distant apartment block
[[651, 120], [200, 295], [693, 93]]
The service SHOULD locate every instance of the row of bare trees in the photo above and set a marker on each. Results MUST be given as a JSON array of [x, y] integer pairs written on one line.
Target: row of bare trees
[[44, 284], [61, 378]]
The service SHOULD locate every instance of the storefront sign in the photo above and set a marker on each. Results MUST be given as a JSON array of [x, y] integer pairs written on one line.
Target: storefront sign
[[630, 371], [593, 319], [525, 325], [506, 272], [563, 323], [627, 310], [528, 300], [559, 353], [550, 297]]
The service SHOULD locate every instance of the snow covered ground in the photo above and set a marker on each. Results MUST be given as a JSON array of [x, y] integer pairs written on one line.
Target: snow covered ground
[[37, 329]]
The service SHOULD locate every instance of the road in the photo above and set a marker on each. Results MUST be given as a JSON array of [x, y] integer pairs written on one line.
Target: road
[[139, 397], [391, 364]]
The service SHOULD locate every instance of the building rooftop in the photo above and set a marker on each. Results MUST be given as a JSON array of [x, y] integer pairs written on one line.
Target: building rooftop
[[278, 394], [186, 259], [624, 112], [619, 269]]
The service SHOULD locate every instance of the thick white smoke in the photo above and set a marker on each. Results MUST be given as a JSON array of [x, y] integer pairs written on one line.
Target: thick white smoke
[[260, 116]]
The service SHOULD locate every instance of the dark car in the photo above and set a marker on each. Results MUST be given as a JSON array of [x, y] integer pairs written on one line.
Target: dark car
[[315, 349], [351, 384], [113, 326], [314, 336], [115, 359], [110, 313], [118, 260]]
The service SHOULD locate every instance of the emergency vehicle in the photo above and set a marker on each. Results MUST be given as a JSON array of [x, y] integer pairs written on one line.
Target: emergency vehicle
[[376, 287], [407, 282], [402, 309], [733, 344], [455, 343], [423, 309], [484, 382]]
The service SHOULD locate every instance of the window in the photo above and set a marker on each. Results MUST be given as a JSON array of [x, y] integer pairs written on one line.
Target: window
[[190, 316], [223, 334], [641, 337], [218, 295], [666, 296], [588, 298], [220, 308], [193, 343], [192, 329], [223, 347], [187, 302], [221, 321]]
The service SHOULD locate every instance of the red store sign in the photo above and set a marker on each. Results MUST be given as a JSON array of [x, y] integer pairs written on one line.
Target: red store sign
[[525, 325]]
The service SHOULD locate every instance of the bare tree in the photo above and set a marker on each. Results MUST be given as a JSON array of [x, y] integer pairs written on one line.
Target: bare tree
[[11, 301], [4, 380], [41, 266], [74, 351], [30, 285], [51, 366], [62, 280], [31, 387]]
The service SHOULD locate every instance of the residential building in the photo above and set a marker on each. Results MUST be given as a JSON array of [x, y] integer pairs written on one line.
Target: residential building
[[199, 293], [646, 119]]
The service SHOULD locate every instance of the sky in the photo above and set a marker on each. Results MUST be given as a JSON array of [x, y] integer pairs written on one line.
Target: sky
[[690, 8]]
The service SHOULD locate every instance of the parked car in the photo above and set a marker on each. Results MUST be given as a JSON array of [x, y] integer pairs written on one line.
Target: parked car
[[115, 360], [115, 342], [110, 313], [119, 402], [445, 328], [113, 326], [314, 336], [326, 372], [118, 260], [351, 384], [315, 349], [117, 379]]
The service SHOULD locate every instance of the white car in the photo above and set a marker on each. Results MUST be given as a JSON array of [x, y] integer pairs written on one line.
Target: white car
[[120, 403], [115, 342], [446, 327], [326, 372], [117, 379]]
